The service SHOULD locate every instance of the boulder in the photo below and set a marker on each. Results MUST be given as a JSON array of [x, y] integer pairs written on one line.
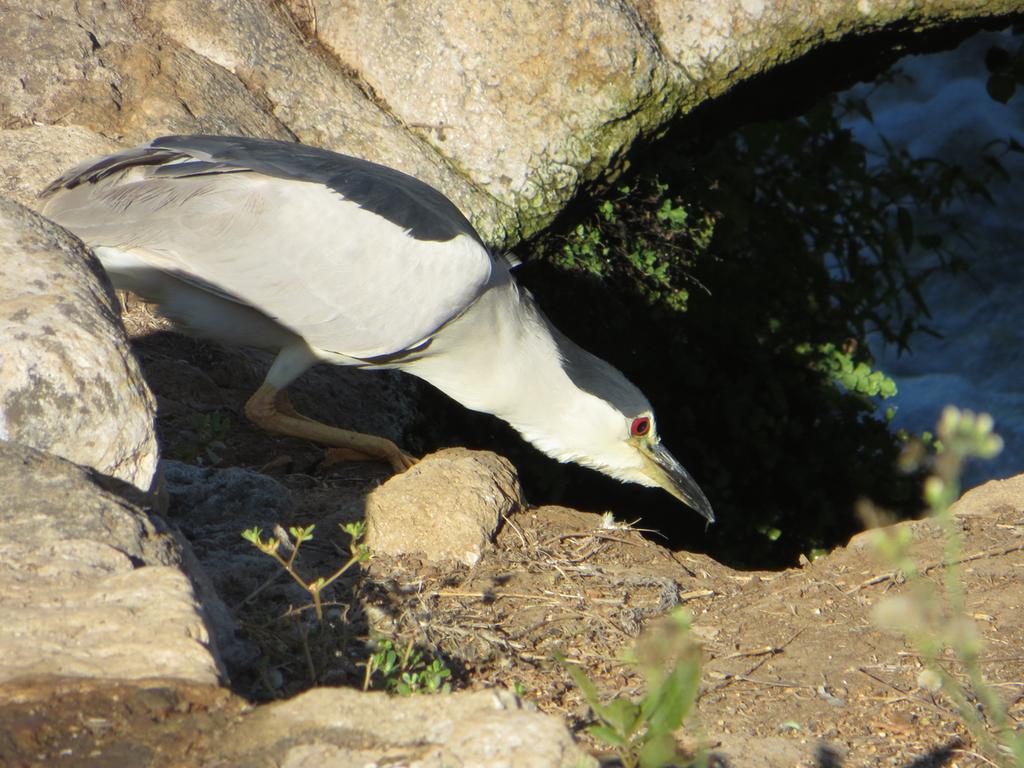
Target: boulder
[[264, 49], [447, 507], [89, 585], [93, 65], [337, 728], [32, 157], [69, 384], [531, 98]]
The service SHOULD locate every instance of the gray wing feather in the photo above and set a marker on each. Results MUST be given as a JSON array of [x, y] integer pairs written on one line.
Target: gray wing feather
[[391, 194], [336, 272]]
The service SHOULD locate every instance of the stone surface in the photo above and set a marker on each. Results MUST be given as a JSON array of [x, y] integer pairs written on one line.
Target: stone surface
[[69, 384], [338, 728], [32, 157], [89, 587], [92, 64], [447, 507], [130, 73], [212, 507], [531, 97], [995, 495]]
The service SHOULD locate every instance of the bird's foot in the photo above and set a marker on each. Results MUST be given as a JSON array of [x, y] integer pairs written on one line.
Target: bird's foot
[[391, 453], [270, 409]]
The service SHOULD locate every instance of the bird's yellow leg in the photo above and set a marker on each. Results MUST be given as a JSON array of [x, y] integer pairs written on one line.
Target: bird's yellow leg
[[270, 409]]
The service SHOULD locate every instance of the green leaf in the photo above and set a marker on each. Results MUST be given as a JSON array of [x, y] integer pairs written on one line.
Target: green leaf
[[676, 695], [302, 534], [356, 529], [584, 683], [252, 535], [658, 752], [622, 715], [607, 735]]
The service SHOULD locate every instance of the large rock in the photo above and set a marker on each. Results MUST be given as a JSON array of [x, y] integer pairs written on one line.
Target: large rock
[[89, 587], [531, 97], [447, 507], [338, 728], [183, 66], [92, 64], [69, 384]]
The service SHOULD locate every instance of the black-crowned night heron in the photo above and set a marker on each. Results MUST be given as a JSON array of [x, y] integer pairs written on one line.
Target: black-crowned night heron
[[326, 258]]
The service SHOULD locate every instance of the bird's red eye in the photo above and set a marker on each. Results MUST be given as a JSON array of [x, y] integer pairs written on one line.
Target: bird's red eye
[[640, 426]]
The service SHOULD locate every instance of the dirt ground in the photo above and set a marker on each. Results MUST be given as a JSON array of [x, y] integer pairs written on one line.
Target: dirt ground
[[796, 672]]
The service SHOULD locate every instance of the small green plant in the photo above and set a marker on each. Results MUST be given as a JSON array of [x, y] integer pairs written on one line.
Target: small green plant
[[296, 538], [405, 672], [642, 237], [936, 623], [856, 377], [204, 440], [641, 731]]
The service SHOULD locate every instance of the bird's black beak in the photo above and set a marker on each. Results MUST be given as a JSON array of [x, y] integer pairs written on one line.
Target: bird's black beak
[[662, 467]]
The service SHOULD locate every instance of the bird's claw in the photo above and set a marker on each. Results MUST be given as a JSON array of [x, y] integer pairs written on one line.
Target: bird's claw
[[401, 461], [395, 456], [388, 452]]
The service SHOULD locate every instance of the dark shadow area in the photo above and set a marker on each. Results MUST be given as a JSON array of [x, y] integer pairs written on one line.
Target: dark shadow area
[[940, 756], [826, 756]]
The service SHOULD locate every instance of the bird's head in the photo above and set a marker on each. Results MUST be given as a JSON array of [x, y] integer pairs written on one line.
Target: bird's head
[[595, 434], [607, 424]]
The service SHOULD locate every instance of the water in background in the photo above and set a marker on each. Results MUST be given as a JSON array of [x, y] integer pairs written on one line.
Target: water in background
[[939, 107]]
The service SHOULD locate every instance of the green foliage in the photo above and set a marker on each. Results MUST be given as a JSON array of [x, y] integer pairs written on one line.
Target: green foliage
[[641, 731], [856, 377], [405, 672], [938, 624], [843, 223], [300, 647], [641, 238], [296, 537]]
